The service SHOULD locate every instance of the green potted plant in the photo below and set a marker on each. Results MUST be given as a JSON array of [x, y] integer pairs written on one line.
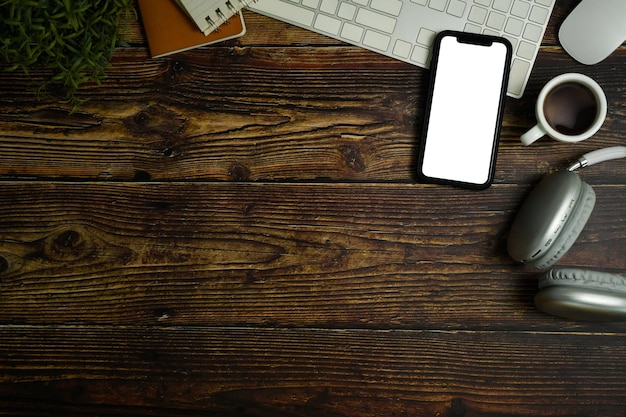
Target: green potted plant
[[72, 41]]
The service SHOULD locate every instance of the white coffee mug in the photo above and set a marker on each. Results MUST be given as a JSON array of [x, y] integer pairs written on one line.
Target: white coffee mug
[[570, 108]]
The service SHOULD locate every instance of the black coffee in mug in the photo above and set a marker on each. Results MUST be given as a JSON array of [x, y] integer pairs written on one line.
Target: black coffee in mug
[[570, 108]]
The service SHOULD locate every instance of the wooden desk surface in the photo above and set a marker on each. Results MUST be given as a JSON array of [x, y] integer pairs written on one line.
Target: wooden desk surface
[[238, 231]]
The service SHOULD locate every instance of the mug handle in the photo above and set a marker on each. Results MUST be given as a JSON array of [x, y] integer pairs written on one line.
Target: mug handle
[[532, 135]]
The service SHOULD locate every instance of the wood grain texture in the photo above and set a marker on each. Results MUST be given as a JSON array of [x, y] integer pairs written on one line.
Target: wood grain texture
[[261, 113], [237, 230], [303, 372], [272, 254]]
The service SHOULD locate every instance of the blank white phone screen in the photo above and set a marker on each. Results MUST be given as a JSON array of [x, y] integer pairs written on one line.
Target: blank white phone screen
[[464, 111]]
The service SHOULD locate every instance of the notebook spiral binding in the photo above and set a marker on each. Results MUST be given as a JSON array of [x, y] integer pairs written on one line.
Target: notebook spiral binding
[[209, 15], [221, 18]]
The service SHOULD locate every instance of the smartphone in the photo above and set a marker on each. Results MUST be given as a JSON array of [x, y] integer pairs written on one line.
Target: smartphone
[[468, 83]]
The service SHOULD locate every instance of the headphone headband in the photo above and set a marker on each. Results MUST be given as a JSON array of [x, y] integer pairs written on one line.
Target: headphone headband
[[597, 156]]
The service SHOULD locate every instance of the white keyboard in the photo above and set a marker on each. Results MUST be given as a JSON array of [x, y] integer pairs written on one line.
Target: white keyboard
[[405, 29]]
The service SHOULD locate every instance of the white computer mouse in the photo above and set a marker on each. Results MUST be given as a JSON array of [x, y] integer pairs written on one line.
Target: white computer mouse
[[594, 29]]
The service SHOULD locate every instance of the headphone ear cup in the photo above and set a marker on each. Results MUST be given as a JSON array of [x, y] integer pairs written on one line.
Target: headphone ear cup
[[571, 230], [582, 295]]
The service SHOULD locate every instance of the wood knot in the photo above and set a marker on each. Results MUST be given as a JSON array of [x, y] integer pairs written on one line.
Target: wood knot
[[177, 66], [238, 172], [164, 314], [239, 51], [67, 245], [353, 158], [457, 408], [4, 264], [247, 210], [142, 118], [10, 263], [142, 176], [69, 241], [174, 68], [156, 120]]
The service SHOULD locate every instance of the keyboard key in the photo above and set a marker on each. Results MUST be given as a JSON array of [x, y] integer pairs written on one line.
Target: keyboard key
[[420, 55], [502, 5], [519, 68], [496, 21], [532, 33], [295, 13], [526, 50], [402, 49], [313, 4], [376, 40], [485, 3], [388, 6], [420, 2], [471, 28], [329, 6], [376, 20], [347, 11], [538, 15], [327, 24], [514, 26], [426, 36], [439, 5], [361, 2], [520, 8], [352, 32], [456, 8], [477, 15]]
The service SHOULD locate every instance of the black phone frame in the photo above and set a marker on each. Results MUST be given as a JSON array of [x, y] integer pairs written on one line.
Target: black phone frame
[[475, 39]]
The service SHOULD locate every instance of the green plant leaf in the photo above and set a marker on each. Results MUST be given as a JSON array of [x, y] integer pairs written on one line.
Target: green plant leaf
[[72, 40]]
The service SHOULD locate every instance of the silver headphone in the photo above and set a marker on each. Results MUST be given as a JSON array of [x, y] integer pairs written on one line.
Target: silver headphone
[[546, 226]]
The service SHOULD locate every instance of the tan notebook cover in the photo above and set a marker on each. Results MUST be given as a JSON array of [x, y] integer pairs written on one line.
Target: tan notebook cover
[[169, 30]]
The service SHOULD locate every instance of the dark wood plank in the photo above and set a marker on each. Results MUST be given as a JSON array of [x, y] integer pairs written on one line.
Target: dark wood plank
[[271, 114], [308, 372], [273, 254]]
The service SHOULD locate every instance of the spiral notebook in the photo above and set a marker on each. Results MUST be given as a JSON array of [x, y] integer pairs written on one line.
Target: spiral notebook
[[209, 15], [169, 30]]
